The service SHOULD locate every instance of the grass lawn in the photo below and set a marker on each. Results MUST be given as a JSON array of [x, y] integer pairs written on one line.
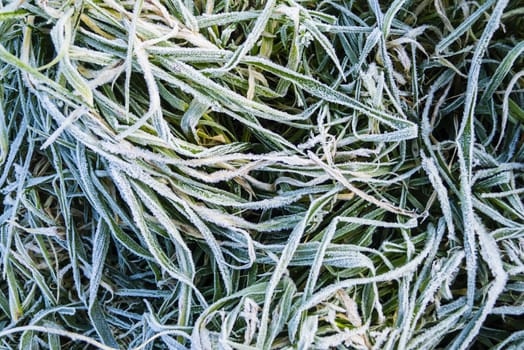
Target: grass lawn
[[261, 174]]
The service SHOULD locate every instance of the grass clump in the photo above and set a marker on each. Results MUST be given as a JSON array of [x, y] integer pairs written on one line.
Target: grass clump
[[261, 174]]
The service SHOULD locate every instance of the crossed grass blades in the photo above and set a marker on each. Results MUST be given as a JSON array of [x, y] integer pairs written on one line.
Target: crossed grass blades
[[261, 174]]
